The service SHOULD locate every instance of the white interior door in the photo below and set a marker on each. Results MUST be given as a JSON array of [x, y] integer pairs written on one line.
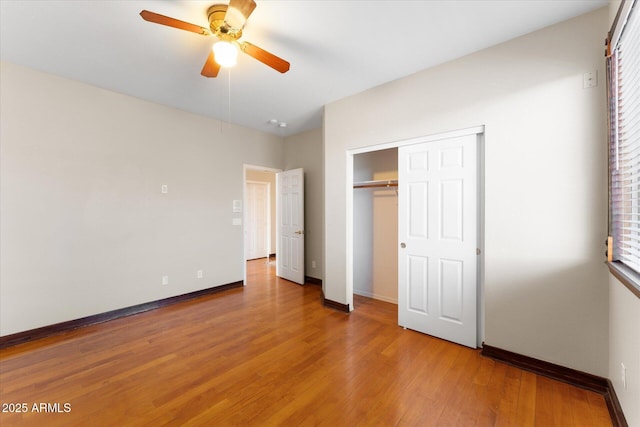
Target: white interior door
[[438, 235], [290, 225], [257, 228]]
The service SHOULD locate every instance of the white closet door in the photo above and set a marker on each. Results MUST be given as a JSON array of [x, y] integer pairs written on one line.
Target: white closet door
[[437, 258]]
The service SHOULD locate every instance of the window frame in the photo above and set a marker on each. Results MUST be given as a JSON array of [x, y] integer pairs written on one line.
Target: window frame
[[627, 275]]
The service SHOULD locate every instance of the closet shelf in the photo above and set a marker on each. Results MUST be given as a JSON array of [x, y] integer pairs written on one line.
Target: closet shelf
[[377, 183]]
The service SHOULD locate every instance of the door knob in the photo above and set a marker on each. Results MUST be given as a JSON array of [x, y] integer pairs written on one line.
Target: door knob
[[299, 232], [403, 245]]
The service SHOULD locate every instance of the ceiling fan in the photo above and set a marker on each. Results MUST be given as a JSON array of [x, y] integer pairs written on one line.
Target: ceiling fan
[[226, 23]]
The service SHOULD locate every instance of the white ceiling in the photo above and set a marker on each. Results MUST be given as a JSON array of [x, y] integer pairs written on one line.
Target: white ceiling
[[336, 48]]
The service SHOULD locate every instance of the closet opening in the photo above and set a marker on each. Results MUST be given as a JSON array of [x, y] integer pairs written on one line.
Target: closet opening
[[375, 225], [415, 232]]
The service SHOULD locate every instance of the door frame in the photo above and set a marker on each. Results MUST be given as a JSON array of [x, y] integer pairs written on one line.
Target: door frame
[[247, 167], [479, 131]]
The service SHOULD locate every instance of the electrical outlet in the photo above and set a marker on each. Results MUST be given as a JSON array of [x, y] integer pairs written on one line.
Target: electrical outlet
[[313, 264], [165, 280], [623, 375], [199, 274]]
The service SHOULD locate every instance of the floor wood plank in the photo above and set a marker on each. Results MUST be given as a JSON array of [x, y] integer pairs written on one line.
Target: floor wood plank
[[271, 354]]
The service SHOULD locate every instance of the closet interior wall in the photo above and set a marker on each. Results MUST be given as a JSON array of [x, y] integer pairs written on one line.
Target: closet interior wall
[[375, 227]]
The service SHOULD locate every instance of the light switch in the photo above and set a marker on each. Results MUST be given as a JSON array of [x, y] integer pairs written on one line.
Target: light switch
[[164, 189], [237, 206], [590, 79], [236, 221]]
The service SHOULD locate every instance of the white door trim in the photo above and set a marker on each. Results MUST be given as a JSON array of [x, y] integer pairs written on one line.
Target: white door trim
[[475, 130]]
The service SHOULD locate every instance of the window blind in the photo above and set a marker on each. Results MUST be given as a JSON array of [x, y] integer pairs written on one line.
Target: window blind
[[623, 69]]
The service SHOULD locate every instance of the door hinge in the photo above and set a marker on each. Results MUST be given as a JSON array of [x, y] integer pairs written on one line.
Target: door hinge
[[478, 251]]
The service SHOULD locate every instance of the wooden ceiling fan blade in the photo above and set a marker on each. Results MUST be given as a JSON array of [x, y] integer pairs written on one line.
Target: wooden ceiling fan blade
[[211, 67], [156, 18], [265, 57], [238, 12]]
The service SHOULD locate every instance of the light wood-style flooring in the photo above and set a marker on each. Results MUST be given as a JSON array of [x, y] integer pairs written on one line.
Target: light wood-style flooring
[[270, 354]]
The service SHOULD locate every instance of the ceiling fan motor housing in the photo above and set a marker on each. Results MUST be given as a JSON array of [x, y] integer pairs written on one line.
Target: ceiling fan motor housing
[[216, 14]]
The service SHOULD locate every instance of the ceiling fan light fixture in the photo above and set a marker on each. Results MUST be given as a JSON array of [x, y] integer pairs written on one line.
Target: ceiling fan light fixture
[[226, 53]]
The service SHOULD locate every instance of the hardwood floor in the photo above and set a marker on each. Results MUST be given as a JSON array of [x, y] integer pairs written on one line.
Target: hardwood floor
[[271, 354]]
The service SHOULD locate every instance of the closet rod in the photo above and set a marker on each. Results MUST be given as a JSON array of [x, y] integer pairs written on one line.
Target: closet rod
[[378, 183]]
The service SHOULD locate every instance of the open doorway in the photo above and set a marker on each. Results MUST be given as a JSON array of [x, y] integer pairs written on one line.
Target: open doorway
[[257, 238], [375, 225], [259, 214]]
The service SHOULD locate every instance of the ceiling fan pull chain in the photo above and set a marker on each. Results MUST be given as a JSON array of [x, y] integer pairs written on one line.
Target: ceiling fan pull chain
[[228, 95]]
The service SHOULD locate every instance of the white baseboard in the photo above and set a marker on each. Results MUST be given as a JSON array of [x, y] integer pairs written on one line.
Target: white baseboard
[[375, 296]]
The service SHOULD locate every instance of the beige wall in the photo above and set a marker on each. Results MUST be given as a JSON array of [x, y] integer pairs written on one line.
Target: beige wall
[[624, 348], [84, 228], [375, 227], [305, 151], [624, 335], [545, 181], [270, 177]]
